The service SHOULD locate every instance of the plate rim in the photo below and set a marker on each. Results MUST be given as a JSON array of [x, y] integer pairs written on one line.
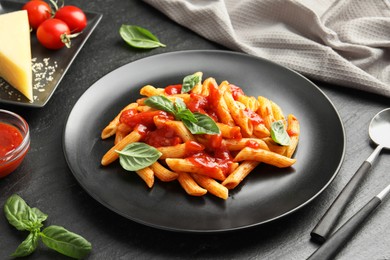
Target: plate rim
[[181, 230]]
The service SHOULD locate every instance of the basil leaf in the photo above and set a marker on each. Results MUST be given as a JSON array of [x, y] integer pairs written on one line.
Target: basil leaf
[[203, 125], [139, 37], [39, 215], [136, 156], [190, 81], [180, 105], [21, 216], [27, 246], [279, 133], [65, 242], [161, 103], [186, 115]]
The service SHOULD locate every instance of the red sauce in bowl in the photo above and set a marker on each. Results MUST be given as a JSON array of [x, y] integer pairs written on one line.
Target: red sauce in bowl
[[10, 139], [14, 143]]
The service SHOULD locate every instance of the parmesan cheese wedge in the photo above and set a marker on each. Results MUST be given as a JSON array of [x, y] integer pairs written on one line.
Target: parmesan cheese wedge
[[15, 51]]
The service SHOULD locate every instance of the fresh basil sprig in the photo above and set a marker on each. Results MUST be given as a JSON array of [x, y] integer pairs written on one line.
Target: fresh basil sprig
[[203, 125], [190, 81], [279, 133], [161, 103], [136, 156], [197, 123], [139, 37], [22, 217]]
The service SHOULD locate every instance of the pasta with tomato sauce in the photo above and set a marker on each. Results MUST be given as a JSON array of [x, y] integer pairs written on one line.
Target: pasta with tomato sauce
[[205, 135]]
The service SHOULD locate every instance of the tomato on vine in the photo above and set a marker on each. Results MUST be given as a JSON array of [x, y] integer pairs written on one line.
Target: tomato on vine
[[38, 11], [54, 34]]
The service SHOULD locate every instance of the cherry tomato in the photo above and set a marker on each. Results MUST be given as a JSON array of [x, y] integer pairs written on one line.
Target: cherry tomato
[[38, 11], [54, 34], [73, 16]]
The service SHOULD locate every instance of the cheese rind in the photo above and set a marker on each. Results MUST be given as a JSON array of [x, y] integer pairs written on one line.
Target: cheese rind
[[15, 51]]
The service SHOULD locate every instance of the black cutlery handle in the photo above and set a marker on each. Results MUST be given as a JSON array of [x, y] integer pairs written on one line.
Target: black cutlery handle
[[324, 228], [331, 247]]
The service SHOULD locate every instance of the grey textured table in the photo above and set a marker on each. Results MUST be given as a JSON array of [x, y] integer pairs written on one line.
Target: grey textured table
[[45, 181]]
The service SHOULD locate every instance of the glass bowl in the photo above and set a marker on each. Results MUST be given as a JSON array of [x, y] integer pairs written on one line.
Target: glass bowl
[[14, 141]]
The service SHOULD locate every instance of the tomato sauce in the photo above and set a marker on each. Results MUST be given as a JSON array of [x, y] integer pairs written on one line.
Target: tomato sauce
[[173, 89], [291, 132], [192, 148], [132, 118], [142, 130], [215, 158], [198, 103], [163, 136], [10, 139], [201, 104], [236, 91], [252, 144], [253, 117], [212, 164]]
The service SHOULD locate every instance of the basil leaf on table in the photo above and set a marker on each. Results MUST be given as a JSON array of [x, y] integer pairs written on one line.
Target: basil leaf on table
[[65, 242], [203, 125], [139, 37], [28, 245], [136, 156], [21, 216], [279, 133]]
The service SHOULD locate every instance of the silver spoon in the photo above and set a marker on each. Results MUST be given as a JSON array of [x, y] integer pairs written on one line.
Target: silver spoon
[[379, 132]]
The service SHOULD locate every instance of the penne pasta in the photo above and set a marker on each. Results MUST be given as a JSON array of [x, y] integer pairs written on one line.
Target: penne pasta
[[294, 131], [222, 110], [277, 112], [211, 185], [119, 136], [180, 130], [229, 132], [239, 144], [112, 155], [189, 185], [180, 150], [274, 147], [265, 111], [264, 156], [147, 175], [239, 174], [162, 173], [149, 91], [261, 131], [110, 129], [249, 102], [185, 165], [208, 139], [238, 115]]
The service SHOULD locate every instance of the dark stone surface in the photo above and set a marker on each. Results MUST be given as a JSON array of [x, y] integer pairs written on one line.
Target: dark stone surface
[[45, 181]]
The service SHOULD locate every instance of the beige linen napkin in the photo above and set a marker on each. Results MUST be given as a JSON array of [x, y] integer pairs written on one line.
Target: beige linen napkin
[[343, 42]]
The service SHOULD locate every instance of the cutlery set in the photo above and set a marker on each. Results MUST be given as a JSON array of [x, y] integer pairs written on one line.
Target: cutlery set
[[379, 132]]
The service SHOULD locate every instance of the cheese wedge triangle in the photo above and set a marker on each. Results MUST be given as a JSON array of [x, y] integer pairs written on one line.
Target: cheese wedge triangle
[[15, 51]]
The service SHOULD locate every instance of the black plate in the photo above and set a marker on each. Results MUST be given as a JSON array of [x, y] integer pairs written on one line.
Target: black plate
[[268, 193], [49, 67]]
